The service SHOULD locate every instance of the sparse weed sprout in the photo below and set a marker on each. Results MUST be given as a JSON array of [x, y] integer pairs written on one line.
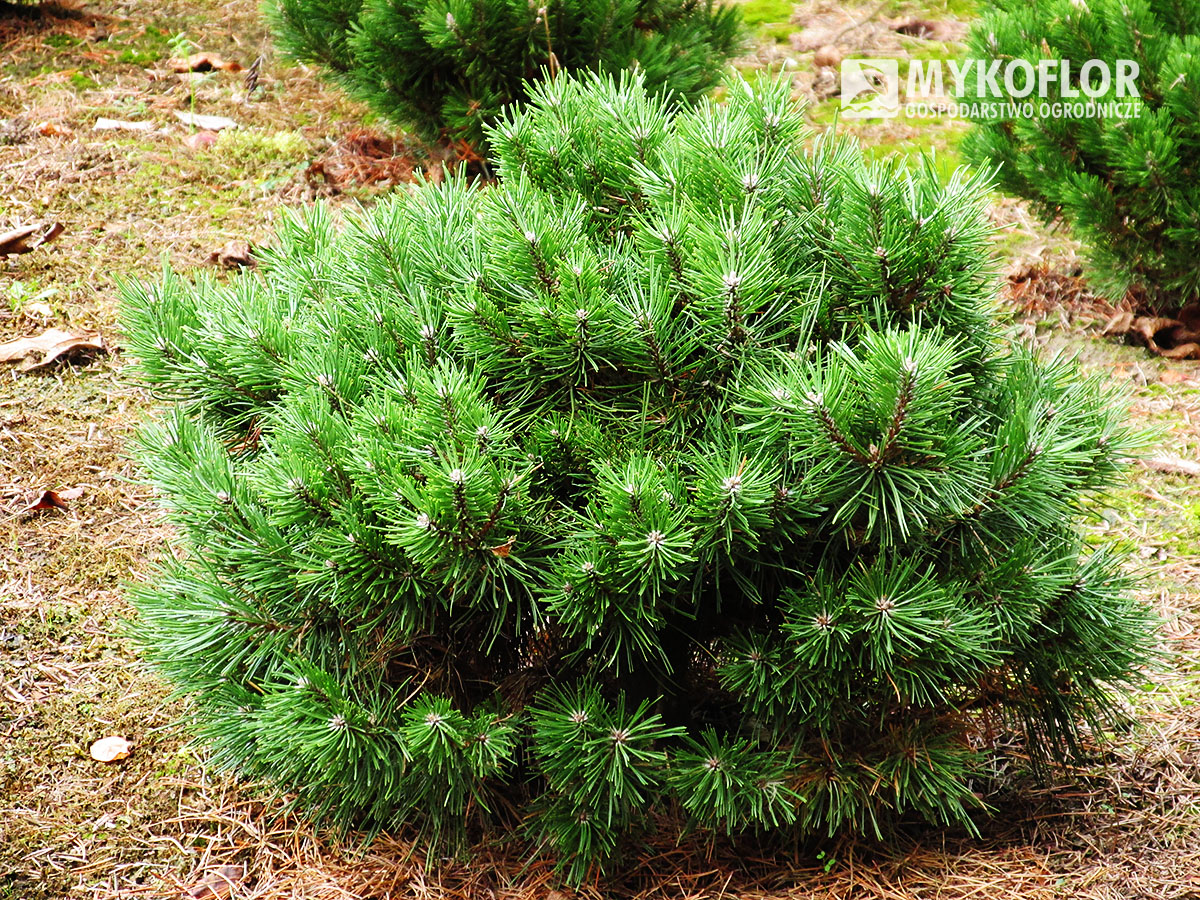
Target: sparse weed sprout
[[680, 477]]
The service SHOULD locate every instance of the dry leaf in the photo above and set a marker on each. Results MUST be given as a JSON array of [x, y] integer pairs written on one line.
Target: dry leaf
[[205, 123], [103, 124], [1173, 376], [110, 749], [504, 549], [218, 883], [234, 255], [200, 140], [28, 237], [39, 310], [52, 129], [202, 62], [1172, 465], [46, 500], [1169, 338], [1189, 350], [50, 346], [1148, 326]]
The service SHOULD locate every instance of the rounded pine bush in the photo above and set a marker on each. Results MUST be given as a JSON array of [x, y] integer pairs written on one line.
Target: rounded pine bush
[[679, 477], [1127, 180], [448, 68]]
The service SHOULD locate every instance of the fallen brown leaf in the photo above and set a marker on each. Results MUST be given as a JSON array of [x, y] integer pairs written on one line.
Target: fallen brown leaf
[[218, 883], [28, 238], [46, 500], [110, 749], [1169, 338], [1189, 350], [52, 129], [203, 62], [1149, 326], [1173, 376], [48, 347], [234, 255]]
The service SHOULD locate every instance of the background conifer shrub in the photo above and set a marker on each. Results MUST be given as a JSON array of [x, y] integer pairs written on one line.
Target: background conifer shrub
[[446, 68], [1128, 186], [679, 477]]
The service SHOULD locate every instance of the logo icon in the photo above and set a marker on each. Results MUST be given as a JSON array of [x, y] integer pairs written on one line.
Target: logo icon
[[870, 88]]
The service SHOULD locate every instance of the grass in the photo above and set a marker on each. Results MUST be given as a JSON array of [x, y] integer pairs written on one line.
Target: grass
[[1121, 825], [769, 19]]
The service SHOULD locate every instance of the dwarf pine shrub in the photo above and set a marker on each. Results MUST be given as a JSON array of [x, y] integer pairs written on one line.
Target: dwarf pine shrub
[[1127, 180], [679, 477], [446, 68]]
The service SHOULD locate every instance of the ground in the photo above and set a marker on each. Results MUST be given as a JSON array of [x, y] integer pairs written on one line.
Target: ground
[[1122, 824]]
